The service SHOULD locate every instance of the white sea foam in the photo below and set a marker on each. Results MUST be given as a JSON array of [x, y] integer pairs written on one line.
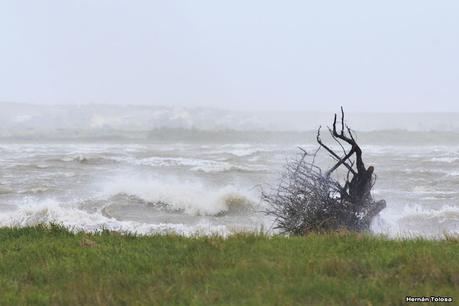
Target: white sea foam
[[416, 220], [52, 211], [445, 159], [202, 181], [453, 173], [194, 164], [431, 190], [243, 150], [191, 197], [393, 222]]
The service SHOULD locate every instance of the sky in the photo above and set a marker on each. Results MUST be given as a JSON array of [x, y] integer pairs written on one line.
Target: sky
[[369, 56]]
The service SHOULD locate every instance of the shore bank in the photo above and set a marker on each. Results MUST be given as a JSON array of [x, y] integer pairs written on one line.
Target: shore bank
[[48, 265]]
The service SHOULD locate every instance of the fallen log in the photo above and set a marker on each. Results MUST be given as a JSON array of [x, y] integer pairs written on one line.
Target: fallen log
[[310, 199]]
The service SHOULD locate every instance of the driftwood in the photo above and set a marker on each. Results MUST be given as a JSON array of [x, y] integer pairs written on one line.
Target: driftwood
[[308, 199]]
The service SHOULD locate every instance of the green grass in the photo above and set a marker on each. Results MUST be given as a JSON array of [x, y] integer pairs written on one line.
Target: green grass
[[51, 266]]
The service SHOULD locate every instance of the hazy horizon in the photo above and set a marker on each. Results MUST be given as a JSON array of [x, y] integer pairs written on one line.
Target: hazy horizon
[[22, 119], [223, 108]]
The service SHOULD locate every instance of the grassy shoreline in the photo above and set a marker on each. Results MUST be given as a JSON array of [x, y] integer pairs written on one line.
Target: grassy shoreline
[[51, 266]]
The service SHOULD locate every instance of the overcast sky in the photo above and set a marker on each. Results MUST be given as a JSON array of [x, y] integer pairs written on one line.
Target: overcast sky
[[277, 55]]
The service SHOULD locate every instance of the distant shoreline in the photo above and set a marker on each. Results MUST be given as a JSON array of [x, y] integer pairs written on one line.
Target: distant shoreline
[[177, 135], [100, 117]]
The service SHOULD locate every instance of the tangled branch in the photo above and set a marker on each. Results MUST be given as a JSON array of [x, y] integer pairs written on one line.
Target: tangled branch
[[308, 199]]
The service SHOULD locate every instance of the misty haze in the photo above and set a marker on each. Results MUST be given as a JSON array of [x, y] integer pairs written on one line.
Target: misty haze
[[154, 169], [173, 117]]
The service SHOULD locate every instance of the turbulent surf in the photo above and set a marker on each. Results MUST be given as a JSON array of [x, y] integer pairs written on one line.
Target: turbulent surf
[[191, 174]]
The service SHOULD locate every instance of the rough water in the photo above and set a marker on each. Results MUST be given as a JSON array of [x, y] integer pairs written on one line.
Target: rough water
[[204, 181]]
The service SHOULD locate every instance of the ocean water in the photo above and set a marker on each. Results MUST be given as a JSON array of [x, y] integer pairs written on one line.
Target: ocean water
[[203, 180]]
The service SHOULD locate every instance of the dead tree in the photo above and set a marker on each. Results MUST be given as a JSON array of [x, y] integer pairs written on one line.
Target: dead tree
[[308, 199]]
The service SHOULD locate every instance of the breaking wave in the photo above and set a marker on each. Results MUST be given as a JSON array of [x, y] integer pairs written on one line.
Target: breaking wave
[[52, 211], [417, 221], [192, 198]]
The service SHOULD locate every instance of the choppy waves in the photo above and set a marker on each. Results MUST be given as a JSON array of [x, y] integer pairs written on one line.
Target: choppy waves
[[206, 188], [187, 208]]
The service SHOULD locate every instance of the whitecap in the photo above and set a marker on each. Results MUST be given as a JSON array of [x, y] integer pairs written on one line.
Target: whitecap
[[191, 197]]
